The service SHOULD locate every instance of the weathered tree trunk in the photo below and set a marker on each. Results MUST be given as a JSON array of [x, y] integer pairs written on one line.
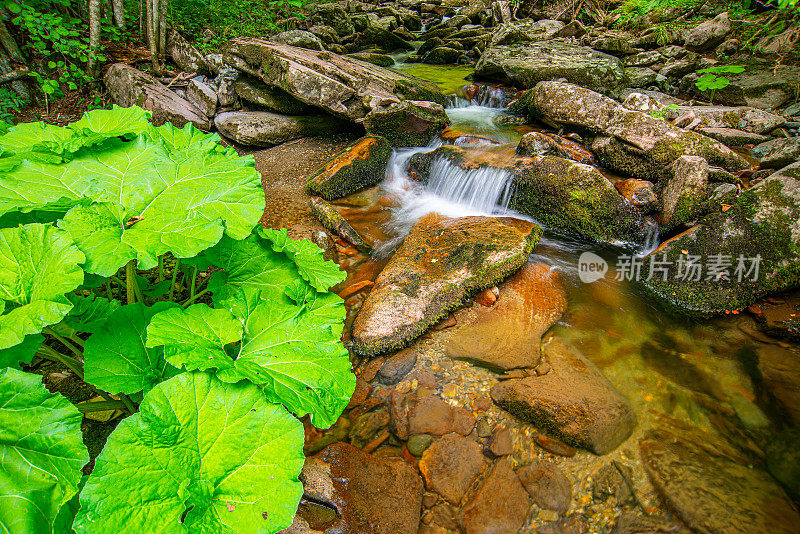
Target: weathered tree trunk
[[119, 13], [94, 32], [10, 44], [17, 85]]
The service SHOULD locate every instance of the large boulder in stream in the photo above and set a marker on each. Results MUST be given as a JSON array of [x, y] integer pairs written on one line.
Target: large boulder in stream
[[343, 86], [441, 263], [131, 87], [362, 164], [263, 128], [631, 142], [507, 334], [407, 123], [573, 401], [711, 487], [565, 195], [526, 64], [748, 249]]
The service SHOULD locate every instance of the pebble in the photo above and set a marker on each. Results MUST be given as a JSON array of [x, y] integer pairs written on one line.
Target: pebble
[[418, 443]]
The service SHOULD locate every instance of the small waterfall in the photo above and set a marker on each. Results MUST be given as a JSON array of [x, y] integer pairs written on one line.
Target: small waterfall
[[483, 190], [651, 242], [479, 95]]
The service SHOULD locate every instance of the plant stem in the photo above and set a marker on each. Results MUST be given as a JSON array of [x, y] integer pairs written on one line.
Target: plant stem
[[160, 269], [194, 283], [109, 293], [130, 281], [192, 299], [128, 403], [78, 341], [61, 339], [174, 277], [53, 355], [100, 406]]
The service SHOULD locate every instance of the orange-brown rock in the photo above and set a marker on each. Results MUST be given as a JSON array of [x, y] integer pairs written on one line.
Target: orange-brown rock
[[507, 335], [442, 262], [640, 193], [360, 165]]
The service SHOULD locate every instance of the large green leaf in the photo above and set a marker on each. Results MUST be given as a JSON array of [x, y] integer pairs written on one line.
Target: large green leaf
[[201, 456], [89, 312], [33, 136], [38, 266], [320, 273], [100, 124], [41, 453], [293, 351], [22, 352], [116, 359]]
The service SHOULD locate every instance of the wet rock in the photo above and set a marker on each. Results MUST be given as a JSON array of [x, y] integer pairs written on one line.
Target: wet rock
[[450, 465], [633, 523], [613, 480], [547, 485], [419, 443], [500, 504], [333, 221], [335, 16], [382, 60], [299, 38], [397, 366], [777, 153], [540, 144], [759, 86], [760, 227], [630, 141], [377, 495], [255, 91], [783, 459], [574, 401], [488, 297], [203, 96], [325, 33], [383, 38], [441, 55], [432, 415], [440, 263], [342, 86], [525, 31], [131, 87], [184, 54], [640, 193], [360, 165], [779, 317], [711, 492], [501, 443], [407, 123], [507, 335], [572, 524], [366, 427], [685, 191], [644, 77], [617, 45], [709, 34], [780, 378], [263, 128], [524, 65]]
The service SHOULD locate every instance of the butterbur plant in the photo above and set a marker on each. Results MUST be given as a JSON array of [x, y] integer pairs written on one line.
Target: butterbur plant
[[712, 79], [128, 255]]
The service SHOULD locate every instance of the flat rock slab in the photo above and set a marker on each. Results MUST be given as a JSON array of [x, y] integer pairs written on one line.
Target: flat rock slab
[[500, 505], [524, 65], [263, 128], [360, 165], [507, 335], [629, 141], [711, 492], [441, 262], [131, 87], [371, 494], [450, 465], [340, 85], [574, 401]]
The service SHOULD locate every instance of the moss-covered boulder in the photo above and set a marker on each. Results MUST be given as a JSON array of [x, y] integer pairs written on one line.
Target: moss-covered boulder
[[441, 263], [526, 64], [407, 123], [342, 86], [685, 192], [760, 228], [360, 165], [566, 196], [631, 142], [332, 220]]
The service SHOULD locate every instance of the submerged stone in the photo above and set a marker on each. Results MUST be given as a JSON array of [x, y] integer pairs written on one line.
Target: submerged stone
[[333, 221], [500, 505], [441, 263], [360, 165], [507, 335], [574, 401]]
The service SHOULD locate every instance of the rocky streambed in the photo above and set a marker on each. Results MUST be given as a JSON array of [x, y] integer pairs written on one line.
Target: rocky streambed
[[572, 294]]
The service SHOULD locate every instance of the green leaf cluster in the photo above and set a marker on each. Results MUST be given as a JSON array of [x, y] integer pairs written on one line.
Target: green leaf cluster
[[218, 361]]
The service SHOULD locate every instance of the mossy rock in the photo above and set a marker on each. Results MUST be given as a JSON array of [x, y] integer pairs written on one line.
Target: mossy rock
[[441, 263], [763, 221], [407, 123], [332, 220], [360, 165]]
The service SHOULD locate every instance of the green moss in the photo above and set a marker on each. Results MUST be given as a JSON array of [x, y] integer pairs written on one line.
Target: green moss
[[360, 165], [448, 78]]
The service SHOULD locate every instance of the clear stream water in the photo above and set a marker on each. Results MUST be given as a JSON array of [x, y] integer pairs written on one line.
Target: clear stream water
[[664, 364]]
